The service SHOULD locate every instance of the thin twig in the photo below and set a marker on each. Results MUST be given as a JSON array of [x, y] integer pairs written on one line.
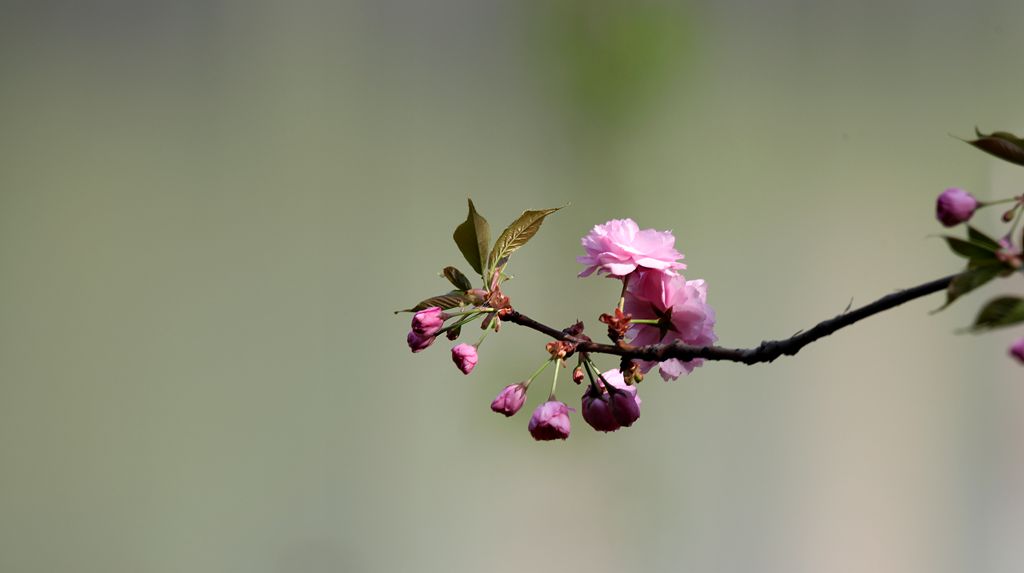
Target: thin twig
[[767, 351]]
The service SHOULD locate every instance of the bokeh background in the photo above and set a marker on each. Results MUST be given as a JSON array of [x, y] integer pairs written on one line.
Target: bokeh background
[[210, 209]]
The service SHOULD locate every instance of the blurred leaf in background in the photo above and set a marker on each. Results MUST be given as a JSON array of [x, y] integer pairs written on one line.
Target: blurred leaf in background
[[608, 59]]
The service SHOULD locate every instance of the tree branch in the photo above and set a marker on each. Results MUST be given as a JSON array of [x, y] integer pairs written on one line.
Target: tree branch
[[767, 351]]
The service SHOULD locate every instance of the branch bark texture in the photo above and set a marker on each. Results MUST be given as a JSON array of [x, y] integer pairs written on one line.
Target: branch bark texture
[[767, 351]]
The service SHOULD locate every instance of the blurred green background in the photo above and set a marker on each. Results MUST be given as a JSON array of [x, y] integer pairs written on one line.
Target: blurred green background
[[208, 211]]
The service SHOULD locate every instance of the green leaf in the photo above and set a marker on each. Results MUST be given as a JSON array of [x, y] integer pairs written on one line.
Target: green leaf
[[516, 235], [445, 301], [456, 277], [970, 249], [1004, 145], [979, 238], [969, 280], [473, 236], [1002, 311]]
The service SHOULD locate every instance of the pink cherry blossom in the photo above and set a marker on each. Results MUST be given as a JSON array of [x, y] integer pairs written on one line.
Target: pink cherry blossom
[[683, 303], [509, 400], [619, 247], [464, 356], [550, 421]]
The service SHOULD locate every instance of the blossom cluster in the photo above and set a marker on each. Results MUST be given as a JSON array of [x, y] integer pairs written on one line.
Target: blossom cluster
[[671, 307], [660, 313], [987, 258], [656, 305]]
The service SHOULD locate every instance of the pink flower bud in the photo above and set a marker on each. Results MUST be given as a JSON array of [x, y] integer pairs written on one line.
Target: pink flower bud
[[955, 206], [509, 400], [550, 421], [429, 321], [1017, 350], [625, 407], [622, 398], [417, 342], [464, 356], [597, 411]]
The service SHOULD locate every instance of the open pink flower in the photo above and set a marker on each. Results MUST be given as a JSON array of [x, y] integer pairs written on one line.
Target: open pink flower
[[688, 317], [619, 247]]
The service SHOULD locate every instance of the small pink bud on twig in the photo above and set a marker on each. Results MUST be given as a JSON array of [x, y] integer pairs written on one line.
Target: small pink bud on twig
[[597, 411], [509, 400], [955, 206], [429, 321], [464, 356], [417, 342]]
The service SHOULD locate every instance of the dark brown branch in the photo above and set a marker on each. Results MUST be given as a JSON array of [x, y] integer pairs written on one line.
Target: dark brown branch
[[767, 351]]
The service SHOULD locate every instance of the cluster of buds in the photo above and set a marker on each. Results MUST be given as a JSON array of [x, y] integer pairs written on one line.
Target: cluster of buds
[[429, 323], [550, 420], [645, 261], [426, 325], [610, 403], [987, 257], [657, 305]]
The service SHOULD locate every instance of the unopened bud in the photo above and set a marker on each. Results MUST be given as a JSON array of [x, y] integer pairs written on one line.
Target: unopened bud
[[597, 411], [509, 400], [577, 375], [625, 407], [954, 206], [417, 342], [465, 358], [1008, 216], [550, 421], [428, 322]]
